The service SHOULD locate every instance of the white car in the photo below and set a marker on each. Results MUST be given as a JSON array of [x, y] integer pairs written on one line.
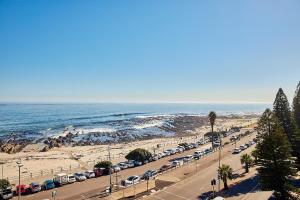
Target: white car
[[80, 176], [71, 178], [177, 163], [188, 158], [116, 168], [90, 174], [167, 153], [242, 148], [131, 180]]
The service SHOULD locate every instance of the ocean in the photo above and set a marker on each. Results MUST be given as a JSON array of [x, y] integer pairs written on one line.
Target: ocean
[[46, 120]]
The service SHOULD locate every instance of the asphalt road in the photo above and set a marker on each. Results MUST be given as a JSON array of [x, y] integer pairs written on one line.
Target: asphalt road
[[187, 189], [194, 186]]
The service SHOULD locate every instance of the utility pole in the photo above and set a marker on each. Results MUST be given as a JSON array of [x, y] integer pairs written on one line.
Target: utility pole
[[19, 186], [219, 182], [110, 185]]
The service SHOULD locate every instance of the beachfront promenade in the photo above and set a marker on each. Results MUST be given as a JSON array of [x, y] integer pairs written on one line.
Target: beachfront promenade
[[192, 179]]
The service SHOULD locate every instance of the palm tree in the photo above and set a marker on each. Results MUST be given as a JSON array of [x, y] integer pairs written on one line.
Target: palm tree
[[247, 160], [212, 118], [225, 172]]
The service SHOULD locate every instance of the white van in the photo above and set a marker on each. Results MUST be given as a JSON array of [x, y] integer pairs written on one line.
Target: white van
[[61, 178]]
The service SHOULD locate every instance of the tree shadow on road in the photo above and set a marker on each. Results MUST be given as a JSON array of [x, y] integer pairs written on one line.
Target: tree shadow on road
[[249, 185]]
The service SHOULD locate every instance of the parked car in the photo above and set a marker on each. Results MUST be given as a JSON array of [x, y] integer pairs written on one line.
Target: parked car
[[155, 157], [6, 193], [34, 187], [123, 165], [90, 174], [71, 178], [99, 171], [150, 174], [131, 180], [181, 147], [165, 168], [208, 151], [195, 145], [60, 179], [198, 154], [80, 176], [188, 158], [236, 151], [177, 163], [137, 163], [242, 148], [161, 154], [167, 153], [130, 163], [23, 189], [116, 168], [48, 185]]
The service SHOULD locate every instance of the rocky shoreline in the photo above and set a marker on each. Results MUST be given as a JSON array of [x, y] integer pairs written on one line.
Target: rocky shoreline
[[182, 125]]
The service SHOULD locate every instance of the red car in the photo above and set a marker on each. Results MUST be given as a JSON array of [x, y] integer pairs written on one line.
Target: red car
[[165, 168], [23, 189], [99, 171]]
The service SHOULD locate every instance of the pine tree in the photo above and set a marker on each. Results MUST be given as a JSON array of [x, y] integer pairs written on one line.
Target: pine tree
[[296, 122], [296, 106], [273, 156], [283, 113]]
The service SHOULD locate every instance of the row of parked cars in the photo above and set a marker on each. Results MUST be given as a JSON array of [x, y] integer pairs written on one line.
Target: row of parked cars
[[243, 147], [150, 174], [63, 178]]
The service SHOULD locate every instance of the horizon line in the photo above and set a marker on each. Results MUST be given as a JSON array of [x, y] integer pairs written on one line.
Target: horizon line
[[134, 102]]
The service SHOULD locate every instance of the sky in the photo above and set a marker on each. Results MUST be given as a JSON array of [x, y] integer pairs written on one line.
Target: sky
[[148, 51]]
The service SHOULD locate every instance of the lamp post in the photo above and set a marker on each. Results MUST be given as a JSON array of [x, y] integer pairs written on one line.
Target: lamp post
[[19, 188], [2, 165], [110, 181], [219, 182]]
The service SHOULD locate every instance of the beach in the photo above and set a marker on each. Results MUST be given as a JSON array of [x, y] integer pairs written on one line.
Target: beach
[[37, 166]]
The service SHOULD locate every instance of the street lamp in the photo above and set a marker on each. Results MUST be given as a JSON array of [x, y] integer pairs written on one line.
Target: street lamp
[[19, 188], [220, 147], [2, 165]]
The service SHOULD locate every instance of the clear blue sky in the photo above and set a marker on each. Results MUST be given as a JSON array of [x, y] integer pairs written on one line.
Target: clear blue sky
[[148, 51]]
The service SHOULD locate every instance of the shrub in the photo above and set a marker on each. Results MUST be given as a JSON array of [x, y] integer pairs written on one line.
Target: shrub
[[4, 183], [103, 164], [139, 155]]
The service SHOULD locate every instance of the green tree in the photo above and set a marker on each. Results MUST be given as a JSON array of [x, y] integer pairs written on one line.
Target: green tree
[[225, 172], [247, 160], [254, 155], [212, 116], [296, 122], [273, 156], [139, 155], [103, 164], [296, 106], [4, 184], [282, 111]]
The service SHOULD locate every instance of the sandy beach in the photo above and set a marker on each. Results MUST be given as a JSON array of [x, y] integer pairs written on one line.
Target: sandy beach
[[37, 166]]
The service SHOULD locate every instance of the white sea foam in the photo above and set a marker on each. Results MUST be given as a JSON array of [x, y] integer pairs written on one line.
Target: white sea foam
[[153, 123], [96, 130]]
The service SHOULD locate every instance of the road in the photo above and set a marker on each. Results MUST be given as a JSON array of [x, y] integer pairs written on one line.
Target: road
[[194, 186], [190, 187]]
